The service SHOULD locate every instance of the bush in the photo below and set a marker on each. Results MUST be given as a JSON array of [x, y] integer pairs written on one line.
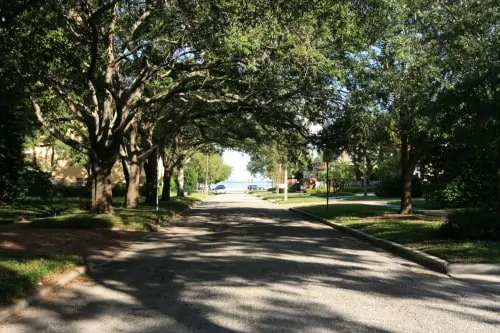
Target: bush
[[190, 180], [393, 187], [460, 192], [294, 187], [31, 181], [120, 190], [359, 189], [38, 183], [72, 191], [473, 225]]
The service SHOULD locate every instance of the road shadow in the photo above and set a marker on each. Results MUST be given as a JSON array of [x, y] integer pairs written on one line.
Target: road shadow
[[234, 270]]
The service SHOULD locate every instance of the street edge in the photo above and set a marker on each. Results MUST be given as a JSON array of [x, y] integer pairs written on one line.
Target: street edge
[[421, 258], [21, 304], [65, 278]]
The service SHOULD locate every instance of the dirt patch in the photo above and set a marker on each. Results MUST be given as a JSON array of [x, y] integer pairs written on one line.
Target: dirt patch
[[21, 240]]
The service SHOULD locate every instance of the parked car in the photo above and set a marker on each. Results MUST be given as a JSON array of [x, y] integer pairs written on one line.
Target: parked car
[[220, 189]]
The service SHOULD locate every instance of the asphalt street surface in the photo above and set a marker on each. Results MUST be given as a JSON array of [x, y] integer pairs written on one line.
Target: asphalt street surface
[[238, 264]]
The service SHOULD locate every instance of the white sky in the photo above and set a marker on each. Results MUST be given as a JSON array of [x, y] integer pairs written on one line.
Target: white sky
[[238, 162]]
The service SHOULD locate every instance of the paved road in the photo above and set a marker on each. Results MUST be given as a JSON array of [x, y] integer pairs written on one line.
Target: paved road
[[238, 264]]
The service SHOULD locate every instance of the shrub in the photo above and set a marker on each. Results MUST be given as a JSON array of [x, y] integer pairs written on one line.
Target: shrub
[[472, 224], [190, 180], [359, 189], [38, 183], [72, 191], [460, 192], [294, 187], [393, 186], [31, 181], [120, 190]]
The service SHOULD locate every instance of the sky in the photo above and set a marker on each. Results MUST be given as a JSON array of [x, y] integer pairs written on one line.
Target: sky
[[238, 162]]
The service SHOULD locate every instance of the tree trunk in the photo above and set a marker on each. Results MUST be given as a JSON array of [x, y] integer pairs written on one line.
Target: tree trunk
[[285, 190], [279, 179], [132, 172], [498, 179], [406, 176], [205, 188], [167, 176], [151, 170], [180, 181], [102, 192], [365, 176]]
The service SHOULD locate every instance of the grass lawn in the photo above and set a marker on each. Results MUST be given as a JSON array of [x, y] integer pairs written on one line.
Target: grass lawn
[[367, 198], [22, 268], [418, 203], [32, 208], [299, 197], [416, 231], [19, 275], [67, 213]]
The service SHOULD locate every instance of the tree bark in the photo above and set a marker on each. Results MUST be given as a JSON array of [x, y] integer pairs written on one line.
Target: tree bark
[[407, 166], [285, 191], [498, 179], [167, 177], [132, 172], [279, 179], [180, 181], [365, 176], [102, 191], [151, 170]]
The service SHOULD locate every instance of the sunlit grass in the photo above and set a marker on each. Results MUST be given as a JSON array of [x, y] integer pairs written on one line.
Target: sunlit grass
[[417, 231], [19, 275]]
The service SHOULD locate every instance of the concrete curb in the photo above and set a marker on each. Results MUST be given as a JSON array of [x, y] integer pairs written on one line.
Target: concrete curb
[[65, 278], [487, 269], [23, 303], [424, 259]]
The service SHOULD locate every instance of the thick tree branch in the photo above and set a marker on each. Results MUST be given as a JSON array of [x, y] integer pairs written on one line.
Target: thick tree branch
[[49, 127]]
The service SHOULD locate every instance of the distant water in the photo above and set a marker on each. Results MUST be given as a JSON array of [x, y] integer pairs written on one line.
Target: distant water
[[244, 185]]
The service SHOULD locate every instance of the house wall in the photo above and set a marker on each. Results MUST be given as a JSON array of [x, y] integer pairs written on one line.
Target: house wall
[[63, 170]]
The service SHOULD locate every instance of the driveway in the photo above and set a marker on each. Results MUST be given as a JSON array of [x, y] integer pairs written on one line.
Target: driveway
[[239, 264]]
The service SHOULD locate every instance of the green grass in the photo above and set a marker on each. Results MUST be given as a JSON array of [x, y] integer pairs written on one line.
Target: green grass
[[299, 197], [32, 208], [200, 195], [123, 218], [418, 203], [333, 194], [347, 211], [416, 231], [77, 221], [66, 213], [368, 198], [19, 275]]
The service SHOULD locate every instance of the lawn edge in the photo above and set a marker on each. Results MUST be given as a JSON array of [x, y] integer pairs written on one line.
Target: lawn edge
[[70, 274], [434, 263], [41, 292]]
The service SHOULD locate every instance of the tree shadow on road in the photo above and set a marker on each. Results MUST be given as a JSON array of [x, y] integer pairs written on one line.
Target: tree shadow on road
[[253, 270]]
